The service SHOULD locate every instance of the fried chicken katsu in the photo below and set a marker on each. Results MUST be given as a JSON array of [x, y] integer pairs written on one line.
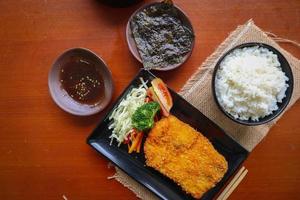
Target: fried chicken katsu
[[184, 155]]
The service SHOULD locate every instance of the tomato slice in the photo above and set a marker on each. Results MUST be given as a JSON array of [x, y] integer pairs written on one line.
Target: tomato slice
[[164, 111], [163, 94]]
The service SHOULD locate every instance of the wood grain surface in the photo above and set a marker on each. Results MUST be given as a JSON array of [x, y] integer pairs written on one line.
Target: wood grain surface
[[43, 154]]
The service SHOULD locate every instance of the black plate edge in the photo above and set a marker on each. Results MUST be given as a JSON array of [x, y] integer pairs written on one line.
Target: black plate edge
[[210, 194], [90, 142], [213, 123], [114, 103], [133, 172]]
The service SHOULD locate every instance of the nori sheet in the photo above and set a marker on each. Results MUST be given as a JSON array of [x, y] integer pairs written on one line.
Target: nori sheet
[[161, 38]]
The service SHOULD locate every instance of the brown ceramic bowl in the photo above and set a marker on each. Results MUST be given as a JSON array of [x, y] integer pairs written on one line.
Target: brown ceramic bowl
[[61, 97], [132, 45]]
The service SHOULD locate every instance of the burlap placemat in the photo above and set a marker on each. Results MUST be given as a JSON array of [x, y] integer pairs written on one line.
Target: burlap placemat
[[198, 92]]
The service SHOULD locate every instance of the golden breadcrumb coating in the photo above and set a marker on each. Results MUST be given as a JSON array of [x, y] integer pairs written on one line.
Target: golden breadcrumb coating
[[183, 154]]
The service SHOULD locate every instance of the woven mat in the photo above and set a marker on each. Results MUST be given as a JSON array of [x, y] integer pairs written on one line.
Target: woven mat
[[198, 92]]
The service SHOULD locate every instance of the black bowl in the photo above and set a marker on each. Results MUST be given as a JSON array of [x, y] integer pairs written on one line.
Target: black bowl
[[120, 3], [281, 106]]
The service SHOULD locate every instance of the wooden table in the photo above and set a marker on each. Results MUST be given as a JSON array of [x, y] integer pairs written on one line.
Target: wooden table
[[43, 149]]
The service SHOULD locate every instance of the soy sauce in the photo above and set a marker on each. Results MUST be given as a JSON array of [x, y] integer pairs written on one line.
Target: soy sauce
[[82, 80]]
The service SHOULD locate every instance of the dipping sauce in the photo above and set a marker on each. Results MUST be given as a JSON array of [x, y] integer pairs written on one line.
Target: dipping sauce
[[82, 80]]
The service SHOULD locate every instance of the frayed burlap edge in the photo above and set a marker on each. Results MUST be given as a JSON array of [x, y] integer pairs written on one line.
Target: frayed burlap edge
[[199, 79], [208, 64], [139, 190], [201, 74]]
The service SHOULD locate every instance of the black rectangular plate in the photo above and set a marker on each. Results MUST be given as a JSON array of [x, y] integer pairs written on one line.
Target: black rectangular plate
[[134, 164]]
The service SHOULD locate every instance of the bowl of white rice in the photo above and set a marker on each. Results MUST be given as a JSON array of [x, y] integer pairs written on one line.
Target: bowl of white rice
[[252, 83]]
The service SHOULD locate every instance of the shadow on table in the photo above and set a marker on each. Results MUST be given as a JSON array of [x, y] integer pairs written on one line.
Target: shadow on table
[[119, 3], [115, 15], [84, 121]]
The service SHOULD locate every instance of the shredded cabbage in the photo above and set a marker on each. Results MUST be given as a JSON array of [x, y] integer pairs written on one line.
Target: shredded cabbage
[[121, 116]]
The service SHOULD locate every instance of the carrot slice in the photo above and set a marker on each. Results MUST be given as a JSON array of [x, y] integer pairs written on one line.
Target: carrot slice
[[140, 143], [135, 142]]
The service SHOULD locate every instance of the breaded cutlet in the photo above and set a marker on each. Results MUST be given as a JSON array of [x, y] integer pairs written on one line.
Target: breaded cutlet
[[184, 155]]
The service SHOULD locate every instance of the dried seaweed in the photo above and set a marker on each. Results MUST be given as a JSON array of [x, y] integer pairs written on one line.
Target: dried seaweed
[[161, 38]]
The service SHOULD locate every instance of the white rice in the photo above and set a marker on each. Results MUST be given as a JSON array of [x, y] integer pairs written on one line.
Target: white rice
[[250, 83]]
